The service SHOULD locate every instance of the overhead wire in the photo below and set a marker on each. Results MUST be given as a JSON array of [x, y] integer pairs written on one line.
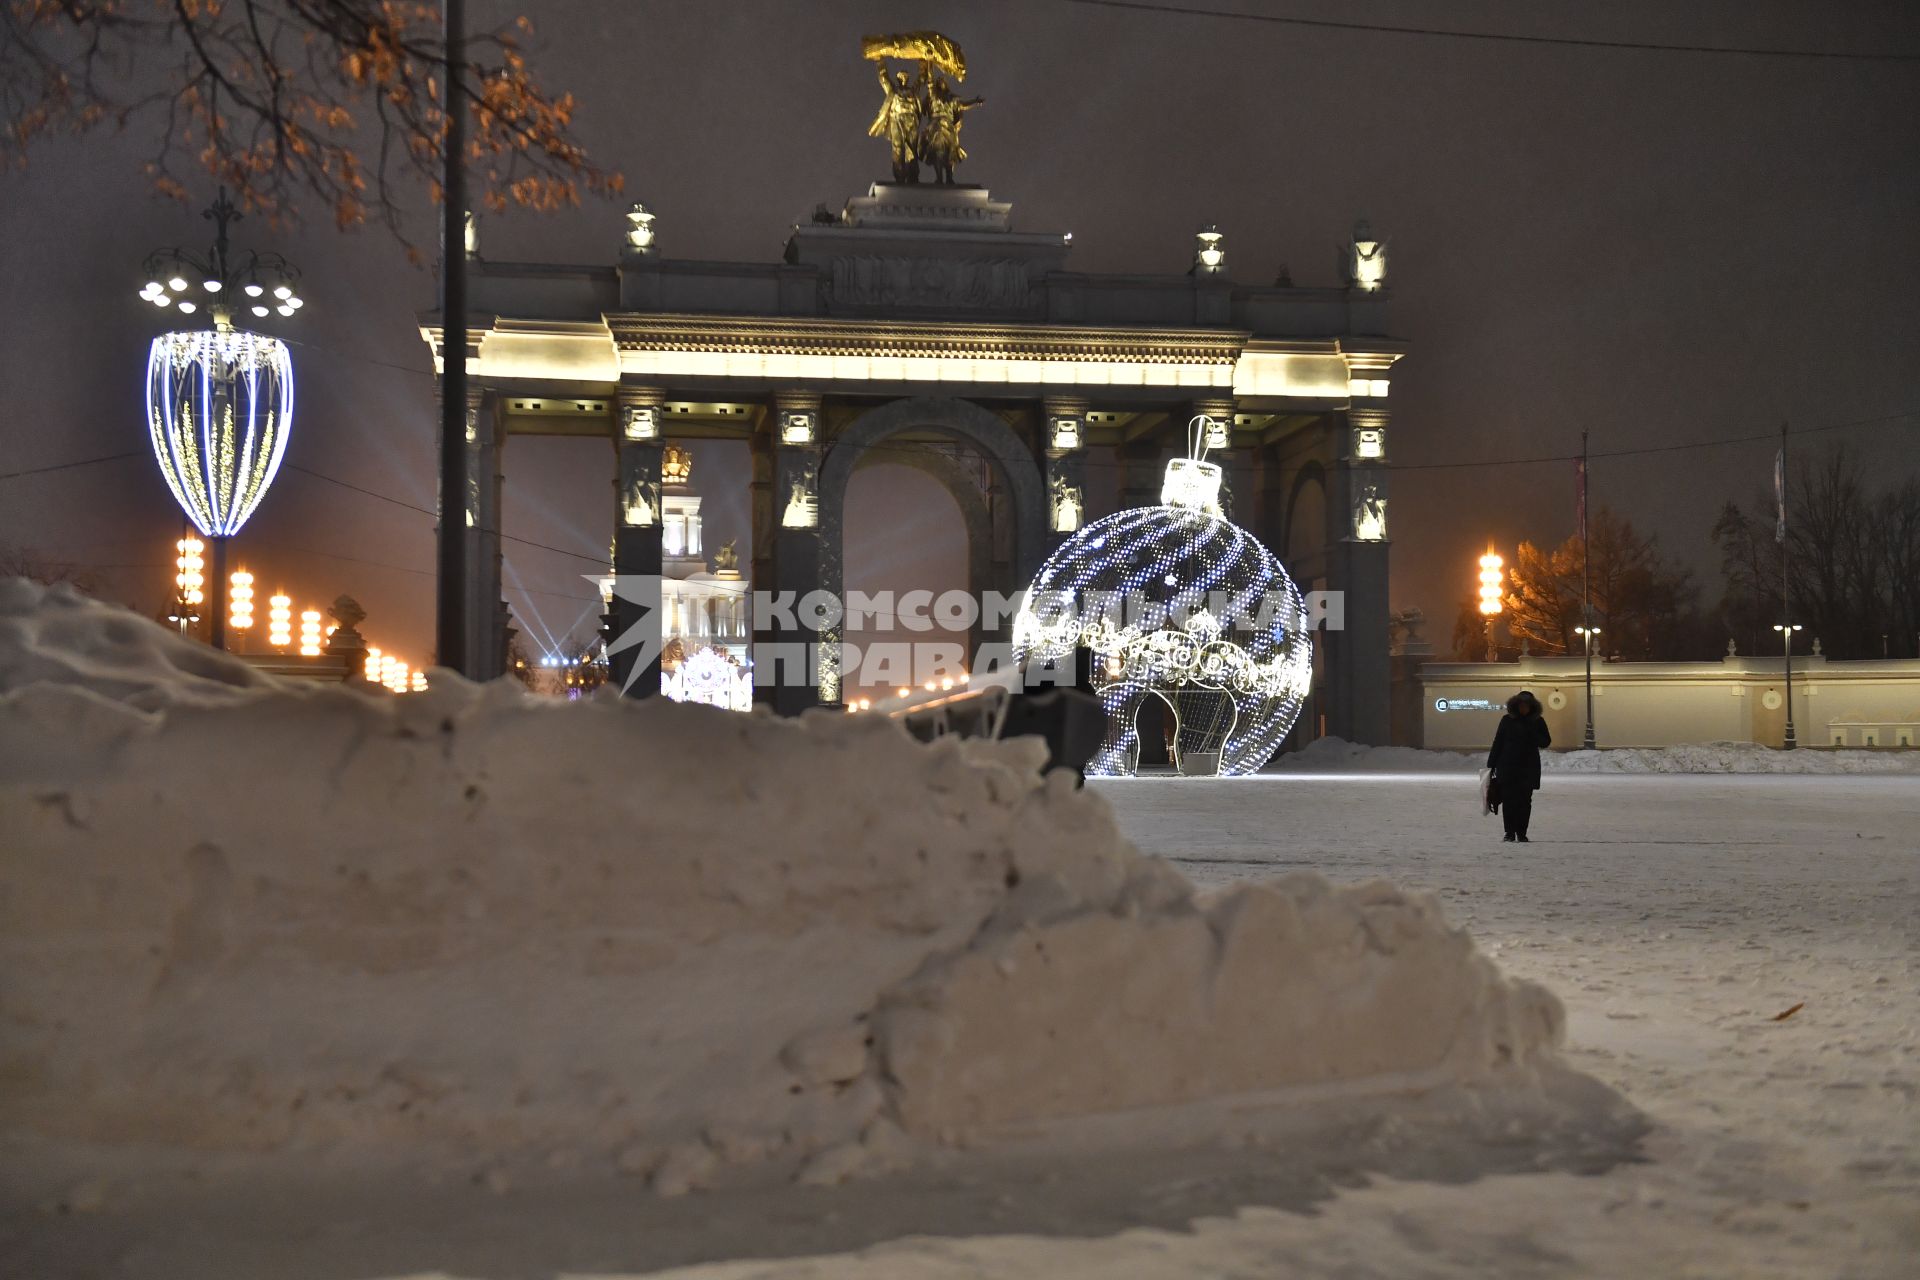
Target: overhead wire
[[1500, 37]]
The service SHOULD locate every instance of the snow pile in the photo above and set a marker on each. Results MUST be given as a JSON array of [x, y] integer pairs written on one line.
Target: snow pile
[[237, 913], [1732, 757], [1337, 755]]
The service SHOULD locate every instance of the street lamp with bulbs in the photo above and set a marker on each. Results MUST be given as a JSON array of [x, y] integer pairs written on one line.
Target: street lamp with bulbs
[[1586, 634], [1490, 594], [187, 581], [1786, 644]]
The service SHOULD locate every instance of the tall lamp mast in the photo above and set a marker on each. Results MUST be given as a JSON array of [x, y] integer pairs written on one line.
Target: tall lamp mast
[[450, 602]]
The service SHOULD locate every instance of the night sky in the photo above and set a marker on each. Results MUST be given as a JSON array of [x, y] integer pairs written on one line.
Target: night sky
[[1661, 248]]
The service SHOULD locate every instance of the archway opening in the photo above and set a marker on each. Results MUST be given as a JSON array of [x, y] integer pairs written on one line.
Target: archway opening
[[1154, 725], [556, 522], [906, 549]]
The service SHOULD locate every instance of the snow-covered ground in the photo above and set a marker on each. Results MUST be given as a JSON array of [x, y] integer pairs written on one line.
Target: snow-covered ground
[[1677, 917]]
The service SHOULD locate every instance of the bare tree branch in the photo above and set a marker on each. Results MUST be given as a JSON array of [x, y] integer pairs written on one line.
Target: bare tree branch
[[336, 100]]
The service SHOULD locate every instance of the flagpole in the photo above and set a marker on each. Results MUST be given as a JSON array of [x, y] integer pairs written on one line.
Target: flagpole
[[1586, 593], [1786, 591]]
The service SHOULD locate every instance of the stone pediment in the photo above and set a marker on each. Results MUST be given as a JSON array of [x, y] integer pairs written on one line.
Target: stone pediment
[[934, 249], [912, 207], [902, 281]]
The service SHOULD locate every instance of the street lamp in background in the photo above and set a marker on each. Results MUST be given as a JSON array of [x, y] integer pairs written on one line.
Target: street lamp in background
[[309, 633], [1490, 593], [279, 620], [187, 581], [1786, 644], [240, 603], [1586, 636], [219, 400]]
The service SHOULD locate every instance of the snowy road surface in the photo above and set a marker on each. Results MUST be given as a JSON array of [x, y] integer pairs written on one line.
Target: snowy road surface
[[1677, 917]]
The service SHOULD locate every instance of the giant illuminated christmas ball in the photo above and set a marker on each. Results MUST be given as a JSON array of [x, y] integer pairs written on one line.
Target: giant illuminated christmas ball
[[1181, 605]]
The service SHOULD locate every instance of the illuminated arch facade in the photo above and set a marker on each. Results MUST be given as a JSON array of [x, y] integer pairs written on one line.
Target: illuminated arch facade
[[919, 317]]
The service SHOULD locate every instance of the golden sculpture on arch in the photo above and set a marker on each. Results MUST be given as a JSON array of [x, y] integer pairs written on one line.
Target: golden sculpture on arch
[[920, 115]]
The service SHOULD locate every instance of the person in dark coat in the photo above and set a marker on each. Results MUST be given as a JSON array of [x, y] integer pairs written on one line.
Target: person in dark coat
[[1515, 761]]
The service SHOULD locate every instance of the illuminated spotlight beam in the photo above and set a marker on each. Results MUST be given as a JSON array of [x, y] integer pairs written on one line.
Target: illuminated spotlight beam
[[592, 611], [525, 593]]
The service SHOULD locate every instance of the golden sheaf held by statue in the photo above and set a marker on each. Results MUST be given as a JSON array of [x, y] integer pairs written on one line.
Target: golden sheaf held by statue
[[918, 46], [920, 116]]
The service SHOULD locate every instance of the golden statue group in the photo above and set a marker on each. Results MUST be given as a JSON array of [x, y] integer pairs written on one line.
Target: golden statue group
[[921, 116]]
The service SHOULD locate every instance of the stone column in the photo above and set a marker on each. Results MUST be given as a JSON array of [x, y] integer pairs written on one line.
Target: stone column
[[1063, 432], [795, 667], [1359, 668], [636, 610]]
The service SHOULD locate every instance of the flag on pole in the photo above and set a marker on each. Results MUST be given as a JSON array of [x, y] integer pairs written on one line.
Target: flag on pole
[[1580, 508], [1780, 495]]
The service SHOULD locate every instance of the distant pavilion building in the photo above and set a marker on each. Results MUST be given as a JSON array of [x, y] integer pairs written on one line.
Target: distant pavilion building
[[917, 320]]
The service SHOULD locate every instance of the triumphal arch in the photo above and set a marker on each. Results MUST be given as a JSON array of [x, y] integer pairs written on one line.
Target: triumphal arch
[[919, 324]]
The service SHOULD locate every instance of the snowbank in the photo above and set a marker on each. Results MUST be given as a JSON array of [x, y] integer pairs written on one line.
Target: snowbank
[[1337, 755], [238, 913], [1733, 757]]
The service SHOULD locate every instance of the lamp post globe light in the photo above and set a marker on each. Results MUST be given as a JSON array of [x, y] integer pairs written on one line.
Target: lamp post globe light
[[219, 399]]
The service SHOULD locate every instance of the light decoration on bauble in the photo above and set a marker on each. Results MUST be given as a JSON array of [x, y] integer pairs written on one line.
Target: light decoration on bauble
[[1178, 603]]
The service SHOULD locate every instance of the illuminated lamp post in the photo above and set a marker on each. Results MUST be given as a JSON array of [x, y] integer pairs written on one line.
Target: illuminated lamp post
[[1586, 636], [1209, 252], [280, 621], [219, 400], [309, 633], [240, 602], [187, 581], [1490, 593], [1786, 644]]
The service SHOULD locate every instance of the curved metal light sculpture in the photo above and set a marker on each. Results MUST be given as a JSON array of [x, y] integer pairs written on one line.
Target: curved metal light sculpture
[[219, 400], [219, 408]]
